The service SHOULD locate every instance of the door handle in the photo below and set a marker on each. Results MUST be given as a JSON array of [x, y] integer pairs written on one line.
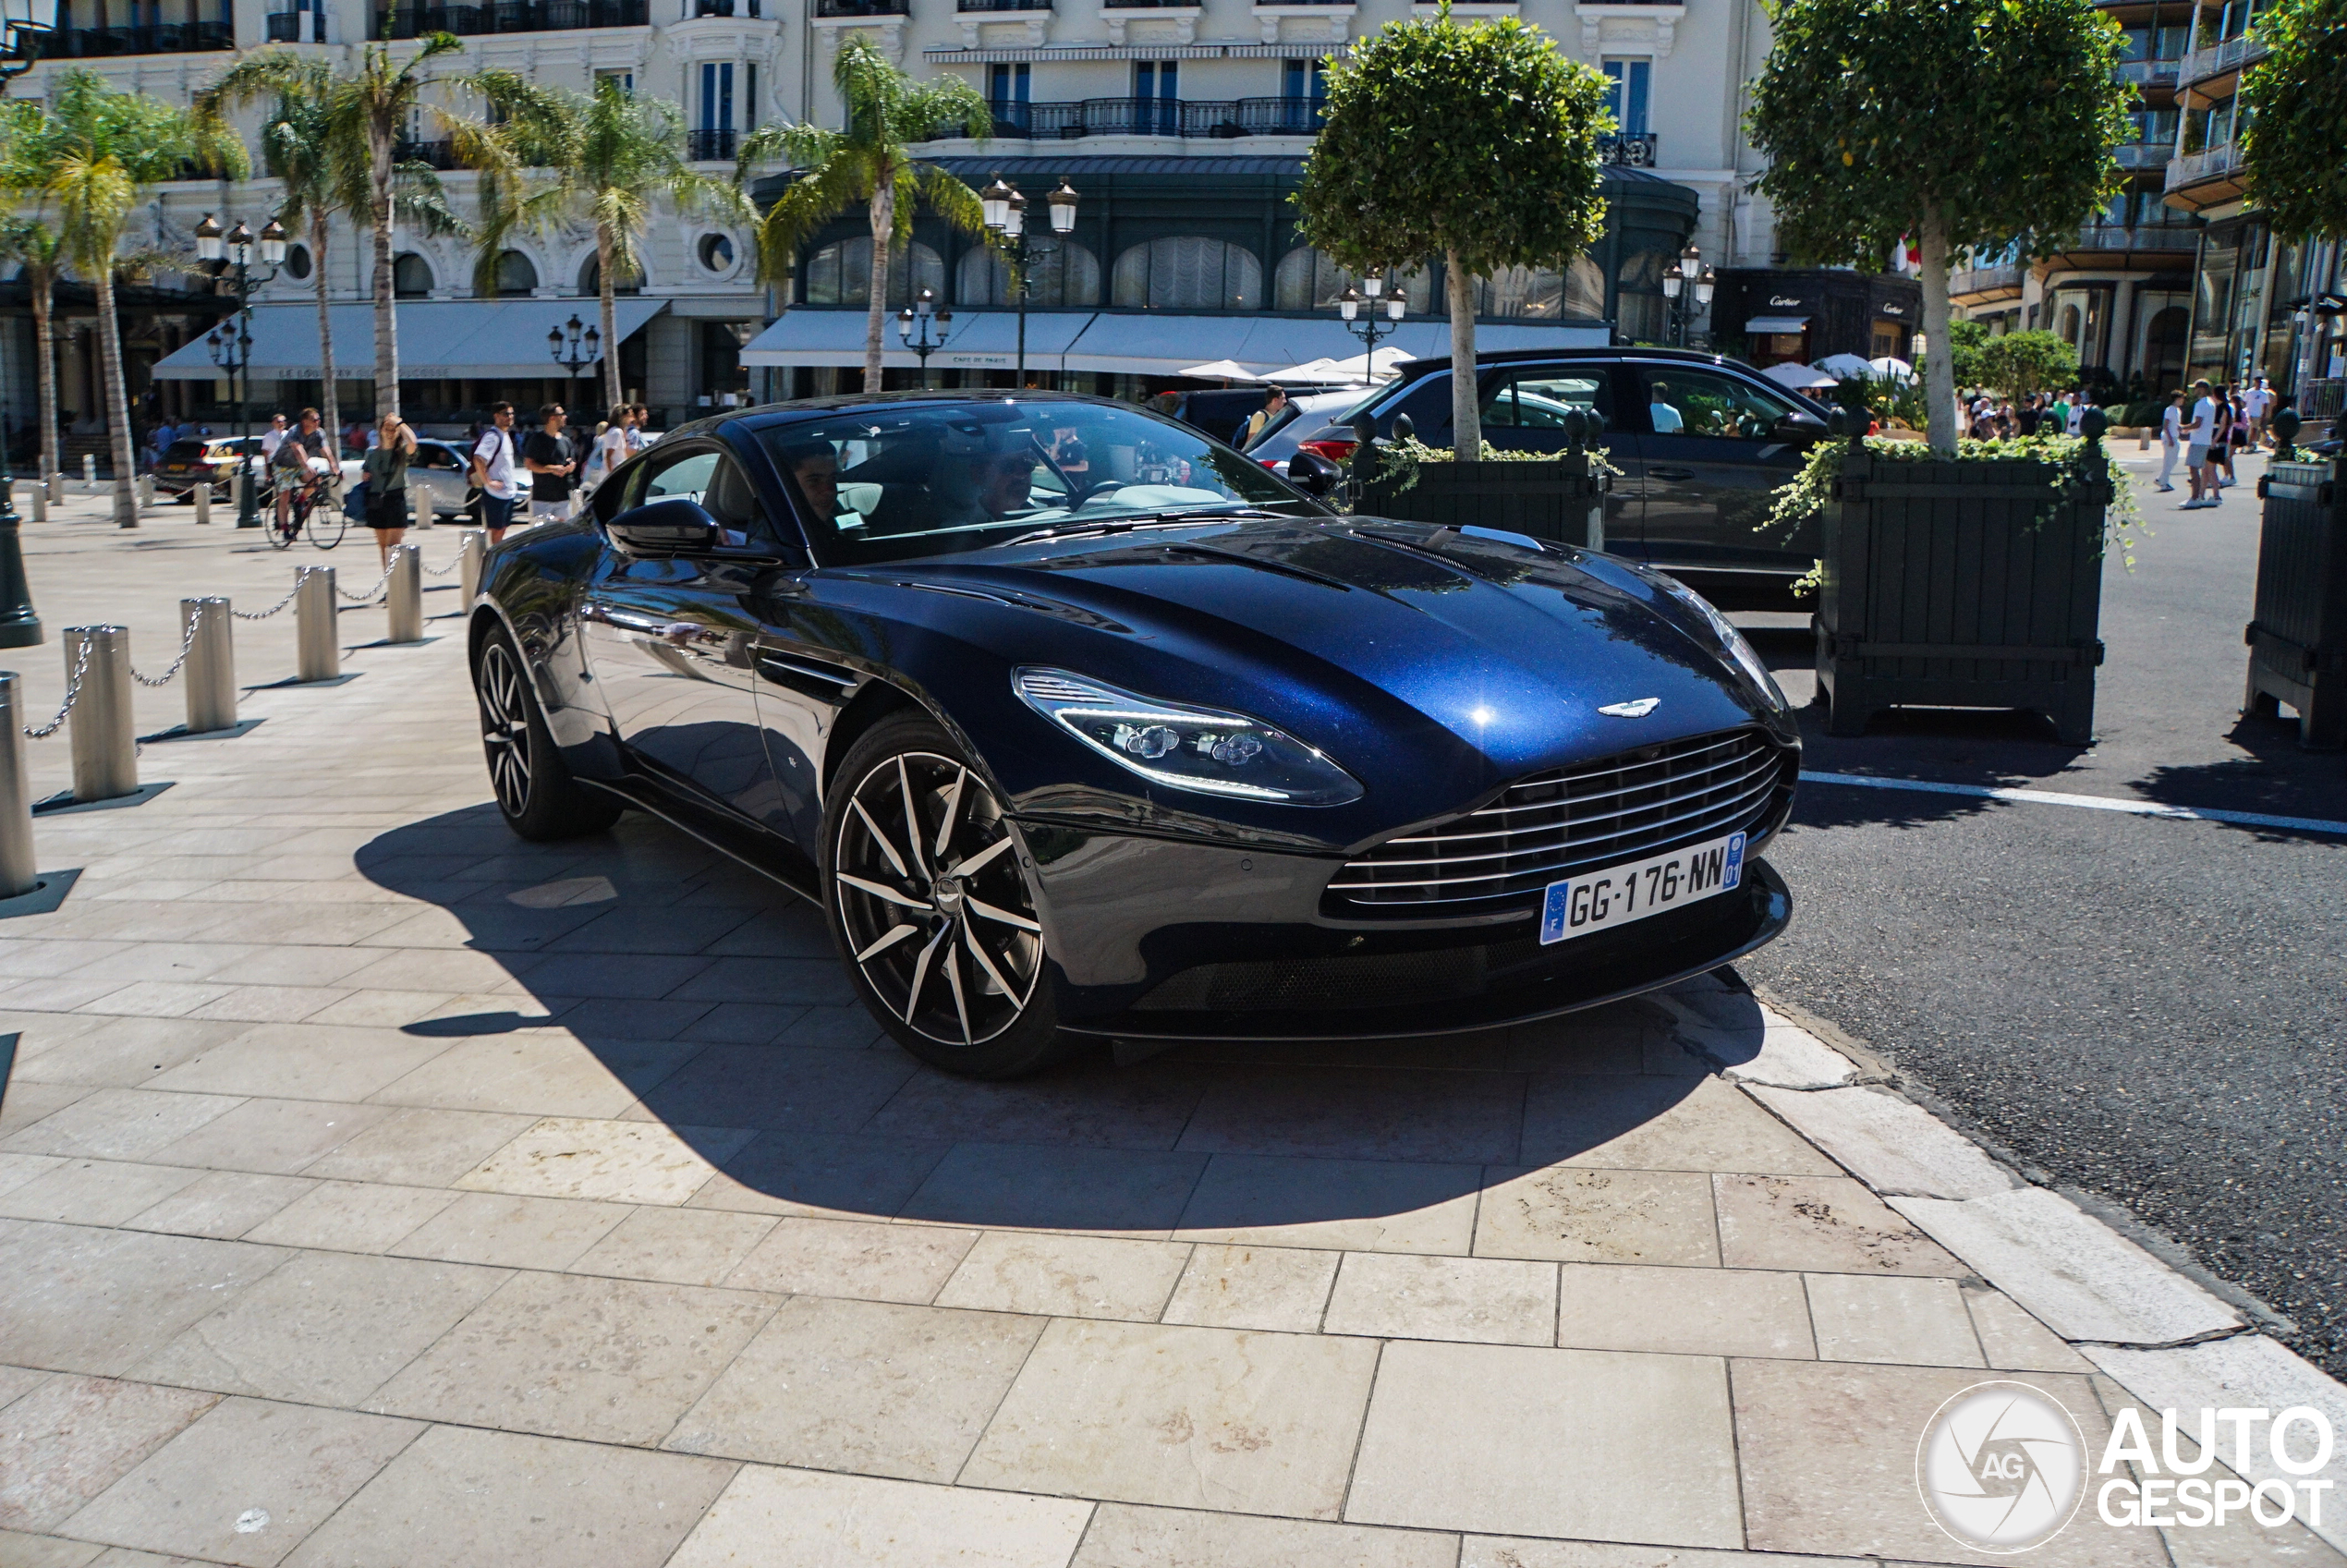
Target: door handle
[[1670, 473]]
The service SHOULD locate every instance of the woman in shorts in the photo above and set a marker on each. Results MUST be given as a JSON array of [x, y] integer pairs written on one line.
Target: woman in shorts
[[386, 465]]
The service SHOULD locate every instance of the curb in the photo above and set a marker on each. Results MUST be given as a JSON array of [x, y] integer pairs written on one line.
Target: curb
[[2171, 1337]]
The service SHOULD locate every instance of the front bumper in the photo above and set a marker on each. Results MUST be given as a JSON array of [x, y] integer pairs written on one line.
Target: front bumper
[[1157, 938]]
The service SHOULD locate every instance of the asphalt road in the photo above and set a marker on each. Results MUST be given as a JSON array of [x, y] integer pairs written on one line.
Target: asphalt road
[[2151, 1012]]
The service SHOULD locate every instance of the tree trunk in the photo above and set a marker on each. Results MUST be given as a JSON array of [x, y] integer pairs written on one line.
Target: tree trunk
[[609, 290], [326, 404], [387, 319], [1466, 413], [1939, 359], [44, 337], [876, 311], [126, 498]]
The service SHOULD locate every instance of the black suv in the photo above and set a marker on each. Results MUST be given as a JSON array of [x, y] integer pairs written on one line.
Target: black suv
[[1701, 441]]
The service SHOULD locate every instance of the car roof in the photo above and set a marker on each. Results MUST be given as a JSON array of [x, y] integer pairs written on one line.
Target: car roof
[[1413, 369], [768, 414]]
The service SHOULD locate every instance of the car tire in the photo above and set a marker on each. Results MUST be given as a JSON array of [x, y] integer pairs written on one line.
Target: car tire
[[536, 793], [950, 960]]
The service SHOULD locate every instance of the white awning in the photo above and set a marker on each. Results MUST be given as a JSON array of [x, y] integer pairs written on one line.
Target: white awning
[[1134, 342], [439, 339], [1774, 326]]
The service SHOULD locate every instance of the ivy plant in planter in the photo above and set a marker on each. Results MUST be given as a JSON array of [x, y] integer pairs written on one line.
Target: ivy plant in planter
[[1557, 497]]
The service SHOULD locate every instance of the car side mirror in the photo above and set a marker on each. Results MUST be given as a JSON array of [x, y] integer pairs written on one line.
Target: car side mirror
[[1313, 474], [675, 527], [1802, 429]]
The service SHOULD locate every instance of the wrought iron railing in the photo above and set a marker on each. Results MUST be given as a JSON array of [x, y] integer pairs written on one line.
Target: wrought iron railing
[[509, 16], [438, 154], [860, 7], [296, 27], [1001, 5], [164, 38], [1634, 150], [1185, 118], [710, 146], [727, 9]]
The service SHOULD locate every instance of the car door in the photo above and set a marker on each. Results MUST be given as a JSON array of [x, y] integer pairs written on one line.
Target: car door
[[439, 472], [1711, 458], [669, 642], [1524, 407]]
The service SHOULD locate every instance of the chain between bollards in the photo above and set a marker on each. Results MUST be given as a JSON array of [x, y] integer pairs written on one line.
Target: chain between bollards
[[73, 691], [186, 642]]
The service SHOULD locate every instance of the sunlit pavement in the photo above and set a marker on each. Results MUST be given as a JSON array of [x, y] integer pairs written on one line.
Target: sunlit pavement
[[383, 1189]]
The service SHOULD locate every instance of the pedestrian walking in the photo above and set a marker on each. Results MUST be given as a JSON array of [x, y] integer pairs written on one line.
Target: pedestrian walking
[[553, 462], [2172, 436], [492, 469], [2199, 470], [2220, 454], [611, 449], [386, 469], [2259, 403], [637, 437]]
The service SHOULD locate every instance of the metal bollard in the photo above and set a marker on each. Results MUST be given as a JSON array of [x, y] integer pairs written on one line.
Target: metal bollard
[[18, 873], [146, 492], [212, 664], [317, 641], [406, 596], [40, 500], [472, 554], [420, 501], [203, 501], [106, 746], [89, 471]]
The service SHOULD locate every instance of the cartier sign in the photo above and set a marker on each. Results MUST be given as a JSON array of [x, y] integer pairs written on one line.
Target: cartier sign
[[1779, 301]]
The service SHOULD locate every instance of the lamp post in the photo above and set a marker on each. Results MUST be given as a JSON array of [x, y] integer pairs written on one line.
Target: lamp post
[[1687, 288], [20, 623], [232, 351], [577, 351], [921, 327], [1005, 213], [1366, 328]]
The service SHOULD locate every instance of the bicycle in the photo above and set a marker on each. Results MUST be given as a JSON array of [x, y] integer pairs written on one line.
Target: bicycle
[[310, 508]]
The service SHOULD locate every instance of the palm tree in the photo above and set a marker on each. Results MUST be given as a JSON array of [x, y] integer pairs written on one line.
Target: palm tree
[[38, 250], [871, 161], [91, 155], [350, 128], [606, 156]]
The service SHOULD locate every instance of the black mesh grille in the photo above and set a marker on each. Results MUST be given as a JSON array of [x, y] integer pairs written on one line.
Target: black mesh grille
[[1554, 824], [1384, 979]]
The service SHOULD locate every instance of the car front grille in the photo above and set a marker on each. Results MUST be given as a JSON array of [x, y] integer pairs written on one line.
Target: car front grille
[[1555, 824]]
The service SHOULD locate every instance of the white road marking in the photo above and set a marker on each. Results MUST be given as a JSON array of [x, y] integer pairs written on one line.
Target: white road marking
[[2091, 802]]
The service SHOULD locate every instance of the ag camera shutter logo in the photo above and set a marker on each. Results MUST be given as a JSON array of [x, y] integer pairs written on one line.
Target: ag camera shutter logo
[[2001, 1468]]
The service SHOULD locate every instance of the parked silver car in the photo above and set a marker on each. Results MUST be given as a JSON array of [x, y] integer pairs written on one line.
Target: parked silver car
[[439, 470]]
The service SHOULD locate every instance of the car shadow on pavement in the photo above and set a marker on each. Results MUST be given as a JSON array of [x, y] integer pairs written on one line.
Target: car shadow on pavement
[[713, 996]]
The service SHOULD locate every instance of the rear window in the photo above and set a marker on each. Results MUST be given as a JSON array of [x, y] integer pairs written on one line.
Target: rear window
[[183, 451]]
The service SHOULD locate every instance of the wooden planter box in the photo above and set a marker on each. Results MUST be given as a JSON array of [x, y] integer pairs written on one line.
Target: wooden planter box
[[1560, 502], [2298, 634], [1943, 588]]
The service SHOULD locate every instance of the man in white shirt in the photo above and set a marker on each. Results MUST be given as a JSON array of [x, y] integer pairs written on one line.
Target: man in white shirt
[[1665, 416], [2257, 402], [2074, 421], [492, 464], [274, 437], [2202, 472], [2172, 437]]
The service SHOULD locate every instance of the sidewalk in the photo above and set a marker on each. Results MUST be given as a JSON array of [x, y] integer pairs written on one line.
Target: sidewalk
[[380, 1189]]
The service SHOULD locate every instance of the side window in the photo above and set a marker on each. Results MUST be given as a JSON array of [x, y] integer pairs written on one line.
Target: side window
[[1427, 403], [686, 477], [1539, 396], [1691, 401], [717, 484]]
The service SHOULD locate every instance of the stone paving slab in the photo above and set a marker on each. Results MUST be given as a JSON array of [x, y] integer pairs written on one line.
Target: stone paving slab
[[448, 1199]]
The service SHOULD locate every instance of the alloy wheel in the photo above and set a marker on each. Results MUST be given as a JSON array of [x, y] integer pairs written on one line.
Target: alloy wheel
[[504, 728], [935, 911]]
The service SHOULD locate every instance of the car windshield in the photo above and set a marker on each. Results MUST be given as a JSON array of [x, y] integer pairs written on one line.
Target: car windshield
[[943, 477]]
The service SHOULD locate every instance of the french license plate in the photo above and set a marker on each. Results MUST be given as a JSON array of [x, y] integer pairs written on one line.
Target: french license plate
[[1619, 894]]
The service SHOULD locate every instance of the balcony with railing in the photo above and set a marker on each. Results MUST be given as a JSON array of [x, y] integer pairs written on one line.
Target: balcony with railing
[[1980, 285], [1001, 5], [2208, 72], [712, 146], [2150, 73], [2217, 167], [835, 9], [162, 38], [2143, 154], [1628, 149], [509, 16], [296, 27], [2167, 239], [432, 154], [753, 9]]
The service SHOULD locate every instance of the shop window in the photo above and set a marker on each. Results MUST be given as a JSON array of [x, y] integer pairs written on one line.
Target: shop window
[[1188, 272], [841, 272], [410, 277], [1071, 275]]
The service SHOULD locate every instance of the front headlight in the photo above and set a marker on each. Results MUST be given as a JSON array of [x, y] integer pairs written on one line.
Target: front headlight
[[1185, 748], [1731, 640]]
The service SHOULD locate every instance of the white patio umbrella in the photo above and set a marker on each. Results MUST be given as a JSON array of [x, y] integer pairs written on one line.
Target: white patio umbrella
[[1799, 376], [1840, 367], [1220, 370], [1891, 367]]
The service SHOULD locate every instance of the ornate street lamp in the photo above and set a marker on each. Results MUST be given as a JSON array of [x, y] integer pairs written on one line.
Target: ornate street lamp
[[921, 327], [1366, 326], [1687, 288], [222, 255], [1004, 211], [573, 353]]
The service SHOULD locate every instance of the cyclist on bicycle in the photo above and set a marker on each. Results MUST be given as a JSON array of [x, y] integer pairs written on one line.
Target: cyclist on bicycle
[[299, 462]]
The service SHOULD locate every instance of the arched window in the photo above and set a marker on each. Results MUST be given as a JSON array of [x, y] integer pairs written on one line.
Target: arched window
[[1069, 276], [1188, 272], [590, 279], [516, 274], [1541, 294], [841, 272], [2068, 331], [1307, 280], [410, 277], [298, 262]]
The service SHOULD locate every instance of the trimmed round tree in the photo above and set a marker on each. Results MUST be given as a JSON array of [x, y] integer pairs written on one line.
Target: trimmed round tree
[[2026, 363], [2294, 147], [1968, 125], [1477, 142]]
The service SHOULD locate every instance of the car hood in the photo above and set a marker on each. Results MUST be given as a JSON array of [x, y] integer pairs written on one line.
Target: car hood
[[1328, 628]]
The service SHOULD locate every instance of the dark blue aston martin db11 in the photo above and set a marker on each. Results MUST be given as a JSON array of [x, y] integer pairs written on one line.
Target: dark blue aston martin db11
[[1079, 725]]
